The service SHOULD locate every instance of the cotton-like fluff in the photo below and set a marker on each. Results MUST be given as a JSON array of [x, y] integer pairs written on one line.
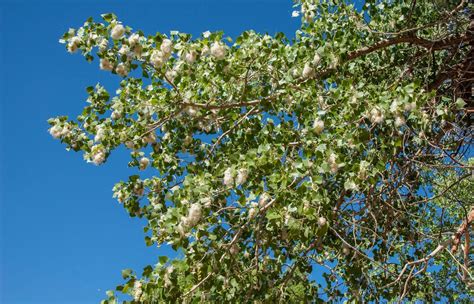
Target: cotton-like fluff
[[106, 65], [134, 39], [73, 44], [143, 163], [242, 175], [117, 32], [157, 59], [100, 134], [316, 59], [410, 106], [124, 50], [295, 14], [399, 121], [194, 216], [166, 47], [318, 126], [308, 71], [190, 57], [264, 200], [218, 50], [137, 290], [98, 155], [122, 69], [376, 116], [55, 131], [333, 163], [228, 178]]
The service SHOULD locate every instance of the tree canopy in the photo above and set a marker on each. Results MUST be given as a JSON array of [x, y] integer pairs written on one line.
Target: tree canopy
[[330, 166]]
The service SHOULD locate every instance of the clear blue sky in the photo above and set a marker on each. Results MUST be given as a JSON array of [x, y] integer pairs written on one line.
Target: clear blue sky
[[63, 238]]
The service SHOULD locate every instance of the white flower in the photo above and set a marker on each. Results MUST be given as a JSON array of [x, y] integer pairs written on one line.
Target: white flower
[[376, 116], [166, 47], [122, 69], [410, 106], [117, 32], [194, 216], [322, 221], [106, 65], [295, 14], [137, 290], [264, 200], [144, 163], [56, 131], [134, 39], [103, 44], [124, 50], [190, 57], [116, 115], [363, 169], [242, 175], [316, 59], [98, 155], [206, 202], [218, 50], [252, 212], [228, 178], [191, 111], [399, 121], [205, 51], [394, 107], [100, 134], [332, 163], [150, 138], [318, 126], [73, 44], [171, 75], [307, 71], [157, 59], [206, 34]]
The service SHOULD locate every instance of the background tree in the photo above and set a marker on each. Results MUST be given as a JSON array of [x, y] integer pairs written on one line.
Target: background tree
[[330, 166]]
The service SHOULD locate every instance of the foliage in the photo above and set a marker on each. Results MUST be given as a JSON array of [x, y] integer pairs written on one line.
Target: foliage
[[304, 170]]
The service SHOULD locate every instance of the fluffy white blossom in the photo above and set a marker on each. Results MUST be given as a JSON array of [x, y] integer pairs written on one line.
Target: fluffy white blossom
[[318, 126], [166, 47], [137, 290], [399, 121], [295, 14], [252, 211], [264, 199], [410, 106], [73, 44], [376, 116], [218, 50], [394, 106], [124, 50], [191, 111], [122, 69], [206, 34], [100, 134], [106, 65], [134, 39], [188, 140], [332, 161], [194, 216], [117, 32], [316, 59], [308, 71], [143, 164], [150, 138], [190, 57], [98, 155], [242, 175], [56, 131], [157, 59], [228, 178], [205, 51], [116, 114], [103, 44]]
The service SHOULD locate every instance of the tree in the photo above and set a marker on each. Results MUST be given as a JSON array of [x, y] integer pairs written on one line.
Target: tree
[[326, 167]]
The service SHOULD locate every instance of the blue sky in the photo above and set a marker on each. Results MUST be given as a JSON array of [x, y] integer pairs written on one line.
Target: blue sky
[[64, 239]]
